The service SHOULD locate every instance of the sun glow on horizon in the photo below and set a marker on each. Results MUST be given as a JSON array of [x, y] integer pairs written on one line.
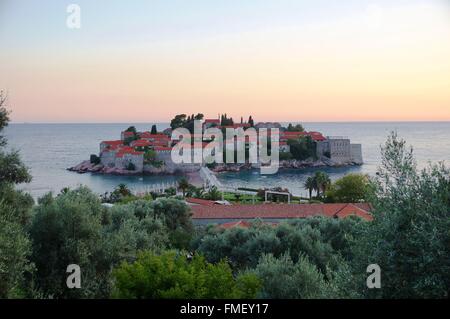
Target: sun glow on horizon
[[377, 62]]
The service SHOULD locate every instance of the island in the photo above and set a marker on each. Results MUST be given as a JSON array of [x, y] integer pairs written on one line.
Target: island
[[149, 152]]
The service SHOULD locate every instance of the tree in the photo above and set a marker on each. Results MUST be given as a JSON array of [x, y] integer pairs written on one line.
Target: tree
[[173, 275], [296, 128], [178, 121], [65, 230], [131, 228], [15, 248], [351, 188], [183, 184], [213, 194], [15, 206], [4, 117], [284, 279], [94, 159], [250, 121], [130, 167], [409, 237], [310, 185], [131, 129], [302, 148], [199, 117], [322, 181], [154, 130], [177, 218], [244, 247], [149, 157]]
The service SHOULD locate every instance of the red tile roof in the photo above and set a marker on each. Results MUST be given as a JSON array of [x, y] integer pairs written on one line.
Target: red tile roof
[[198, 201], [127, 150], [112, 143], [148, 135], [140, 143], [217, 121], [280, 211], [316, 136]]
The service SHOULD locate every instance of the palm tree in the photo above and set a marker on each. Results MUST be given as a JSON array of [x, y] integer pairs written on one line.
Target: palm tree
[[123, 190], [323, 181], [183, 184], [199, 192], [310, 185], [214, 194]]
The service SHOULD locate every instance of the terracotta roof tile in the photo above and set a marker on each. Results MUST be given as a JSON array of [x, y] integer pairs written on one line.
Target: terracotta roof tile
[[277, 211]]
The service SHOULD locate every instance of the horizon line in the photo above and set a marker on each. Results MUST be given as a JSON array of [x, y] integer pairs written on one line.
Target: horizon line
[[168, 122]]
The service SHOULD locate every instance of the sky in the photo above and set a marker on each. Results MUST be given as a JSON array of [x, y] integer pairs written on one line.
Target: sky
[[277, 60]]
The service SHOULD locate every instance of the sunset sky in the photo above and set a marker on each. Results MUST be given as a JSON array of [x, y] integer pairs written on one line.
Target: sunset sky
[[278, 60]]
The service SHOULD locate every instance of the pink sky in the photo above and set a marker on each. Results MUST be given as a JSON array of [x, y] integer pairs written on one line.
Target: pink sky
[[380, 63]]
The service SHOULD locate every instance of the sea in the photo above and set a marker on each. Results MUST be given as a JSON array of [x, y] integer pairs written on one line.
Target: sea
[[49, 149]]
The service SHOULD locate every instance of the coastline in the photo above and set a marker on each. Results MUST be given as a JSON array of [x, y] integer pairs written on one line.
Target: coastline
[[88, 167]]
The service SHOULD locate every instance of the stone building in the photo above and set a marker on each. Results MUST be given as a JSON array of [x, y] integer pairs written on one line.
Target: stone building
[[339, 150]]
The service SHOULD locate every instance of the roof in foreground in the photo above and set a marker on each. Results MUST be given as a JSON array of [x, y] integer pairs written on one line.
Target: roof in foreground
[[281, 211]]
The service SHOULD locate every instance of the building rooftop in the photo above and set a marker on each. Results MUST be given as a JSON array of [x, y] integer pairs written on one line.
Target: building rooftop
[[280, 211]]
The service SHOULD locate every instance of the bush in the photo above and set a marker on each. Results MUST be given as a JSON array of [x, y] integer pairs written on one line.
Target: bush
[[351, 188], [176, 276], [95, 159], [284, 279]]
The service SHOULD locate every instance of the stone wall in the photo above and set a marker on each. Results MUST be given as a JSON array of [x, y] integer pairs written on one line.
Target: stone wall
[[108, 159], [356, 153]]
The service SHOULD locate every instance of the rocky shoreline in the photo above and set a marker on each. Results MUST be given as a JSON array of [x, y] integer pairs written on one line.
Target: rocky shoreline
[[88, 167], [289, 164]]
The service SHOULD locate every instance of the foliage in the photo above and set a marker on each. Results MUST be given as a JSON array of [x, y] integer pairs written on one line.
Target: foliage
[[351, 188], [319, 182], [251, 121], [296, 128], [12, 170], [15, 248], [15, 206], [302, 149], [171, 191], [68, 230], [131, 129], [94, 159], [4, 117], [149, 157], [213, 194], [409, 238], [177, 218], [286, 156], [310, 185], [225, 120], [178, 121], [244, 247], [173, 275], [182, 120], [133, 227], [130, 167], [183, 184], [285, 279]]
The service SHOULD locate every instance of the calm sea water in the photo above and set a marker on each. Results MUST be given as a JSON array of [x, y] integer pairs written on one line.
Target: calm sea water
[[48, 149]]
